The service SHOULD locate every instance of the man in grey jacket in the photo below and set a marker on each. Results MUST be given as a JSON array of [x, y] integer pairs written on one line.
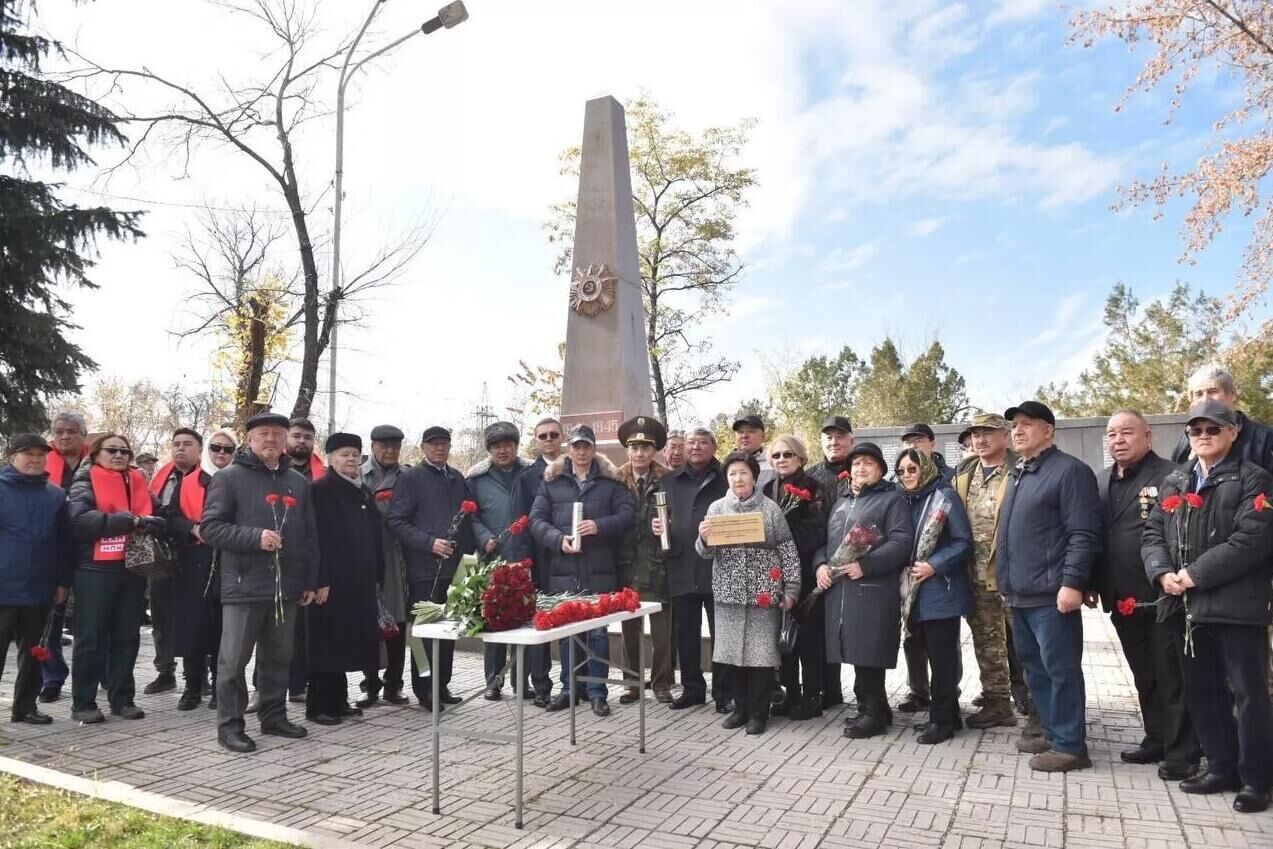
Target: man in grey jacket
[[1048, 540], [259, 517]]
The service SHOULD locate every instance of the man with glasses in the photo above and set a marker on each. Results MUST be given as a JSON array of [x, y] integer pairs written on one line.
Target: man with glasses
[[921, 437], [689, 577], [548, 436]]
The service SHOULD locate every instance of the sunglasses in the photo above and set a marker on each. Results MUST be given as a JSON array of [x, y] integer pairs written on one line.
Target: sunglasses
[[127, 452], [221, 449], [907, 471], [782, 455], [1209, 430], [550, 435]]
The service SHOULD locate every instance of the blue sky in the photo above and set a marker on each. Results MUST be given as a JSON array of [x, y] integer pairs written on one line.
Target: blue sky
[[928, 170]]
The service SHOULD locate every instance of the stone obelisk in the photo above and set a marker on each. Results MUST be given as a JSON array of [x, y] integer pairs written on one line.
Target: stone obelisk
[[606, 376]]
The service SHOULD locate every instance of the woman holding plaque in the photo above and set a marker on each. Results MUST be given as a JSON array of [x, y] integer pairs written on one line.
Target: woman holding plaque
[[753, 582], [870, 536], [804, 505]]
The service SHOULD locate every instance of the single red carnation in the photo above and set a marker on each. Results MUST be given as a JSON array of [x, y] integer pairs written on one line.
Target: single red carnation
[[775, 574], [764, 599], [843, 476], [384, 495], [1261, 502], [789, 488], [469, 507], [271, 498], [289, 502], [1193, 499], [41, 653], [1171, 503], [1126, 606]]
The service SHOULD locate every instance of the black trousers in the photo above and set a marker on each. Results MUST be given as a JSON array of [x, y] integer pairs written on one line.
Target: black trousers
[[1231, 659], [938, 640], [868, 687], [752, 687], [160, 593], [916, 664], [298, 669], [24, 626], [421, 685], [687, 621], [328, 693], [109, 605], [1154, 657], [395, 656], [802, 670]]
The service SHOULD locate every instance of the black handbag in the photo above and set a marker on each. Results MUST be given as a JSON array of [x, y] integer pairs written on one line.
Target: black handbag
[[788, 633], [148, 556]]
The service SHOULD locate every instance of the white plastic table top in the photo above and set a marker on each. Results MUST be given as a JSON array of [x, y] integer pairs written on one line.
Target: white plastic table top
[[527, 635]]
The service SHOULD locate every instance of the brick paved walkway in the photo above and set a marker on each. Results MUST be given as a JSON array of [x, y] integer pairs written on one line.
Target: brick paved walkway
[[366, 783]]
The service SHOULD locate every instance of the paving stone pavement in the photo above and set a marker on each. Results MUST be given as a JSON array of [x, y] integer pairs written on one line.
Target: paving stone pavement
[[801, 785]]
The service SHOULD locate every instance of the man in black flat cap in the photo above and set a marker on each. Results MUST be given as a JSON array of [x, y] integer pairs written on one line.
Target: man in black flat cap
[[1048, 539], [425, 501], [259, 516], [380, 474]]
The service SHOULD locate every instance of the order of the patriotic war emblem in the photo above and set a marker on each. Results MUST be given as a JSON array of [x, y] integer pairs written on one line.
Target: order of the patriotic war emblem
[[592, 290]]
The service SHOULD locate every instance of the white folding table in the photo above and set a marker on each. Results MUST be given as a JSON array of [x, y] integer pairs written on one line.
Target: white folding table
[[520, 638]]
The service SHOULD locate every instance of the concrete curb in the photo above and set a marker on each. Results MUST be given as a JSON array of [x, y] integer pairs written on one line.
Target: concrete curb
[[124, 794]]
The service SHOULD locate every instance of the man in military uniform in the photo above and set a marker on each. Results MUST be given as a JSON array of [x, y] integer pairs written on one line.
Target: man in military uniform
[[641, 563], [981, 482]]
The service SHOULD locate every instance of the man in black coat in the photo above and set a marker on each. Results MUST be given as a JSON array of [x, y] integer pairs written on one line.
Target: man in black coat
[[1128, 493], [690, 492], [548, 435], [837, 442], [425, 503], [1048, 538], [1207, 545], [259, 516]]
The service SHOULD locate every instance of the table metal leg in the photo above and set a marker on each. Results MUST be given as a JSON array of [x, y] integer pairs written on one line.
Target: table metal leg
[[570, 651], [640, 676], [437, 708], [519, 693]]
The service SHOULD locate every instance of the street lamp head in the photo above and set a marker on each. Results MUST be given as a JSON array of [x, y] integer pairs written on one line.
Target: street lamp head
[[450, 15]]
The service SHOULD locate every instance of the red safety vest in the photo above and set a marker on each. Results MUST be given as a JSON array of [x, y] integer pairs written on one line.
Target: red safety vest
[[112, 495]]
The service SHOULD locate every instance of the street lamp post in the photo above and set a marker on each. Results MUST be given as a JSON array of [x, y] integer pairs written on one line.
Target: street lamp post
[[450, 15]]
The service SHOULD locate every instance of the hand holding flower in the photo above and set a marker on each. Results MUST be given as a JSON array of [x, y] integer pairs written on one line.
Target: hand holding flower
[[921, 571], [854, 570]]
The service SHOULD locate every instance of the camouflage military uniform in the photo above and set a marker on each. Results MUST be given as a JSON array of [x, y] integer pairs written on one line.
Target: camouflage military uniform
[[987, 621]]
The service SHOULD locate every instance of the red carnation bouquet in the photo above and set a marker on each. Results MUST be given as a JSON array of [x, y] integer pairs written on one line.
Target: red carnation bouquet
[[792, 497], [289, 501], [858, 541], [556, 611]]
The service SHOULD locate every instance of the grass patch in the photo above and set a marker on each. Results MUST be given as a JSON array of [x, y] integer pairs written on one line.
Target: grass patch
[[33, 816]]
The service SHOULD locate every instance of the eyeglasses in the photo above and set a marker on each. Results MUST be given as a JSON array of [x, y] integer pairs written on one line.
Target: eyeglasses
[[127, 452], [221, 449], [1209, 430], [546, 436], [782, 455], [907, 471]]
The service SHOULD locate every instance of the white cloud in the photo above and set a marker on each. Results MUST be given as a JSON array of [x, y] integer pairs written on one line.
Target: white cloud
[[841, 259], [1063, 320], [927, 226], [1018, 11]]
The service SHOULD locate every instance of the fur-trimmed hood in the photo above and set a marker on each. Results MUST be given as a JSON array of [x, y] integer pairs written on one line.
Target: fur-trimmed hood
[[657, 471], [481, 468], [607, 468]]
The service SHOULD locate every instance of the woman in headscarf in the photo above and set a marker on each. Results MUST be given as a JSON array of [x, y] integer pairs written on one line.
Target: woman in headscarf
[[344, 633], [196, 597], [802, 501], [939, 575], [863, 611], [752, 584], [107, 501]]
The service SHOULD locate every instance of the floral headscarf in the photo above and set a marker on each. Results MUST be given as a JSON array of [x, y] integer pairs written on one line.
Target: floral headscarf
[[927, 468]]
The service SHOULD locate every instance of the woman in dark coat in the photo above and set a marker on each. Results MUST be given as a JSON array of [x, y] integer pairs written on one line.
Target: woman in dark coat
[[106, 502], [802, 669], [941, 597], [196, 598], [344, 633], [863, 609]]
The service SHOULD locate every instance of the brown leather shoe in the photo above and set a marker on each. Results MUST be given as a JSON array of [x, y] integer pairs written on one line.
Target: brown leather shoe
[[1033, 745], [630, 695], [1054, 761], [994, 712]]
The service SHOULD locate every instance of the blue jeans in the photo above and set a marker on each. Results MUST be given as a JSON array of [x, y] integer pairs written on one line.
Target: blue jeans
[[599, 642], [55, 668], [1050, 646]]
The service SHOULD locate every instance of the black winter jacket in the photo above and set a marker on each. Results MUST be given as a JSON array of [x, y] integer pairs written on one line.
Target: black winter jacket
[[425, 502], [235, 513], [1228, 543], [606, 501], [807, 521], [1255, 443], [89, 524], [1049, 530], [1120, 571], [687, 503]]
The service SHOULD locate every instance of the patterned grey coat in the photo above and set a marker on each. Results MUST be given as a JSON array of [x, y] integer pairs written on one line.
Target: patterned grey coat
[[746, 631]]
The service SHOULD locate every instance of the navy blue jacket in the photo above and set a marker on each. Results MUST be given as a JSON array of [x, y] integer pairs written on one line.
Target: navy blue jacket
[[946, 594], [1050, 528], [425, 501], [36, 553]]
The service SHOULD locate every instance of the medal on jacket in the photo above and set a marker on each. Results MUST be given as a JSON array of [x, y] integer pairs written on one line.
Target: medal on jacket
[[1147, 497]]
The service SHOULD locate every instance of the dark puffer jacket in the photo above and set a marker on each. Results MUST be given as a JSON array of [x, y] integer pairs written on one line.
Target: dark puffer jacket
[[606, 501], [1228, 543], [235, 513], [35, 537], [687, 501], [807, 520], [89, 524]]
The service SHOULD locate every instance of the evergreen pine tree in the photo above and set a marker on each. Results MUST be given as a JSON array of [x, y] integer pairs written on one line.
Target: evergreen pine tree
[[45, 244]]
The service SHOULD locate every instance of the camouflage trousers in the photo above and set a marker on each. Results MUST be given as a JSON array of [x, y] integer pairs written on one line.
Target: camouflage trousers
[[990, 641]]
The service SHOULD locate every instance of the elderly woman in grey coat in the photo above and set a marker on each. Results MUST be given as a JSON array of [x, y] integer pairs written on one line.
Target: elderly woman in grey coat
[[863, 607], [753, 583]]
